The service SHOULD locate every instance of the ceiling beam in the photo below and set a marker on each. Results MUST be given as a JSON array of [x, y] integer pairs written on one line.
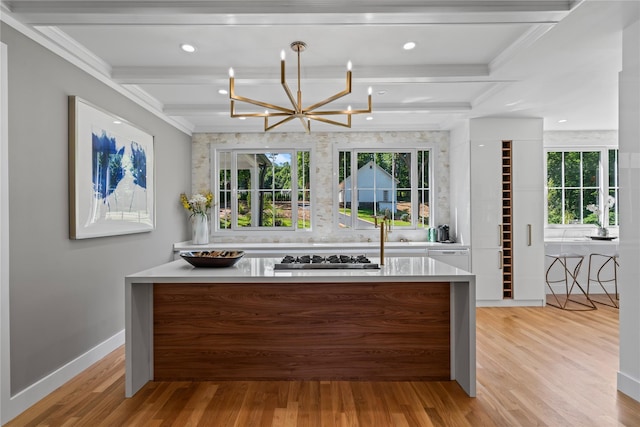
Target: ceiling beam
[[417, 107], [291, 12], [257, 75]]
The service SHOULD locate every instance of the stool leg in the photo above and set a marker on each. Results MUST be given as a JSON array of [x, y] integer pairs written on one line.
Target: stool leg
[[574, 283], [568, 272], [608, 259]]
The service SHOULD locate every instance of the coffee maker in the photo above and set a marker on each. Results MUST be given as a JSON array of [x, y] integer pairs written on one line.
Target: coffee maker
[[443, 233]]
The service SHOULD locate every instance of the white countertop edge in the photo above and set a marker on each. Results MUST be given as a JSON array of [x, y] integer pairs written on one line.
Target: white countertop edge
[[260, 270], [581, 241], [271, 246]]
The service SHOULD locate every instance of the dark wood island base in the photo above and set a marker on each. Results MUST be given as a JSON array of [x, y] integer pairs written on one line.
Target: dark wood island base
[[302, 331], [412, 319]]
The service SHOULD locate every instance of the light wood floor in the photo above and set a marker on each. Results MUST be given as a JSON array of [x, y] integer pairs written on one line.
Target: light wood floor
[[536, 367]]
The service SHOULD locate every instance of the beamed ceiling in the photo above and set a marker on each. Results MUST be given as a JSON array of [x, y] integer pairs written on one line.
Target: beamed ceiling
[[553, 59]]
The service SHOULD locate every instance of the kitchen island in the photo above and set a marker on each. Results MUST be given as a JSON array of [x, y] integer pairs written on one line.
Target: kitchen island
[[411, 320]]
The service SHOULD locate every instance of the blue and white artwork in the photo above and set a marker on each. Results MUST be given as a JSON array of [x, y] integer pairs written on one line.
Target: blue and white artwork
[[113, 173]]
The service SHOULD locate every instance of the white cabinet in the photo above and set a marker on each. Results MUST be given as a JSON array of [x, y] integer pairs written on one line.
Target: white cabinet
[[528, 245], [487, 266], [528, 220], [486, 224], [507, 211]]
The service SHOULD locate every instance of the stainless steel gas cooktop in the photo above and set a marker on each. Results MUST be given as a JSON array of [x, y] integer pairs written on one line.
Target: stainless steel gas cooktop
[[317, 262]]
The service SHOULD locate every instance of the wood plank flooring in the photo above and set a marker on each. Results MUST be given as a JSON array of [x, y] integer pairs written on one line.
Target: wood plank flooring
[[536, 367]]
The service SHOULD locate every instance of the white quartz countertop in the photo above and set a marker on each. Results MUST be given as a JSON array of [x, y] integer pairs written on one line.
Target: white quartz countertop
[[257, 270]]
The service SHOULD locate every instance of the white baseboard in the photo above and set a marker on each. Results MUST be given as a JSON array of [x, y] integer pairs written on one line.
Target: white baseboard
[[629, 386], [511, 303], [26, 398]]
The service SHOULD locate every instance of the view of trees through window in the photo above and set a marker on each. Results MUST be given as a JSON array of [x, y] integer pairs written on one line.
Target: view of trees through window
[[579, 186], [264, 190], [375, 184]]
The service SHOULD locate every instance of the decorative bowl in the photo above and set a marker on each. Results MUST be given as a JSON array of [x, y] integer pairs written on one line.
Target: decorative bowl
[[212, 259]]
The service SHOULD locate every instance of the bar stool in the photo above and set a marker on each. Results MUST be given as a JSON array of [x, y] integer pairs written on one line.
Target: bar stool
[[611, 260], [562, 260]]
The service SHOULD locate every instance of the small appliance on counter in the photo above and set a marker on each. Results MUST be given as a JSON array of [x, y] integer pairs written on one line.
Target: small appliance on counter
[[439, 234], [443, 233]]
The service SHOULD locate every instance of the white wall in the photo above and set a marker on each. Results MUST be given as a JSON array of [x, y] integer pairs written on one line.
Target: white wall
[[4, 237], [67, 297]]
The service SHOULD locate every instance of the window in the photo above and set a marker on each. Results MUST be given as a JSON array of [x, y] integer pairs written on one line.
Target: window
[[264, 190], [394, 184], [578, 183]]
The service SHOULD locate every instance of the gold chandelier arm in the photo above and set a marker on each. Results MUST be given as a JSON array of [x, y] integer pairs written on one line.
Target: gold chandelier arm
[[234, 97], [236, 115], [338, 95], [337, 112], [291, 98], [332, 122], [263, 104], [275, 125], [285, 86]]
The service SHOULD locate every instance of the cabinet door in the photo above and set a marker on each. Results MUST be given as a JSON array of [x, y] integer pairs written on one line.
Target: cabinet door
[[486, 195], [528, 165], [486, 170], [485, 224], [528, 220], [528, 245], [486, 265]]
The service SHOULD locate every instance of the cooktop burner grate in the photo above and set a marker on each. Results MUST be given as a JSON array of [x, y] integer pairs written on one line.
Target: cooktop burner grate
[[308, 262]]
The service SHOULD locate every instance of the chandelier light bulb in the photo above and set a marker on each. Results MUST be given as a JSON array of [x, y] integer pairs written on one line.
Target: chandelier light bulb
[[370, 90], [230, 72], [349, 108], [282, 55], [349, 66]]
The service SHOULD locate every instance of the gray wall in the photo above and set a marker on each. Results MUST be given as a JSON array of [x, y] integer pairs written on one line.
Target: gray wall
[[67, 296]]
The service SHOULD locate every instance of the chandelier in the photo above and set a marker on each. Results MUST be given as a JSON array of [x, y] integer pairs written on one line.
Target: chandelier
[[297, 111]]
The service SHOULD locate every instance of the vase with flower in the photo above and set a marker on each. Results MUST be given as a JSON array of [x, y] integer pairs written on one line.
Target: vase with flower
[[602, 215], [198, 205]]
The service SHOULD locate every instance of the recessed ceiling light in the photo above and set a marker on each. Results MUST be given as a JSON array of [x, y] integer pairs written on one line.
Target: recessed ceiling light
[[189, 48], [369, 118], [117, 122], [242, 118], [222, 91], [381, 92], [562, 121], [409, 45]]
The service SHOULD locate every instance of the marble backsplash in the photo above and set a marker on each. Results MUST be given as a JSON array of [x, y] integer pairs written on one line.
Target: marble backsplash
[[325, 227]]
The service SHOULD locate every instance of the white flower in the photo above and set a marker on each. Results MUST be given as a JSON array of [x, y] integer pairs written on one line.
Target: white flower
[[603, 217], [198, 199]]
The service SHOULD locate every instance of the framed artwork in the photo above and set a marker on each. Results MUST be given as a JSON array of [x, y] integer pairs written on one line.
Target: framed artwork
[[111, 174]]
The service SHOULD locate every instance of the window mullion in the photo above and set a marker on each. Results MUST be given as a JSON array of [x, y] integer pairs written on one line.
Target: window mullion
[[293, 195], [563, 191]]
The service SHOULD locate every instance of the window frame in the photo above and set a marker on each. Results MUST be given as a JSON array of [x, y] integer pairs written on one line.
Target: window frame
[[416, 188], [216, 153], [603, 178]]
